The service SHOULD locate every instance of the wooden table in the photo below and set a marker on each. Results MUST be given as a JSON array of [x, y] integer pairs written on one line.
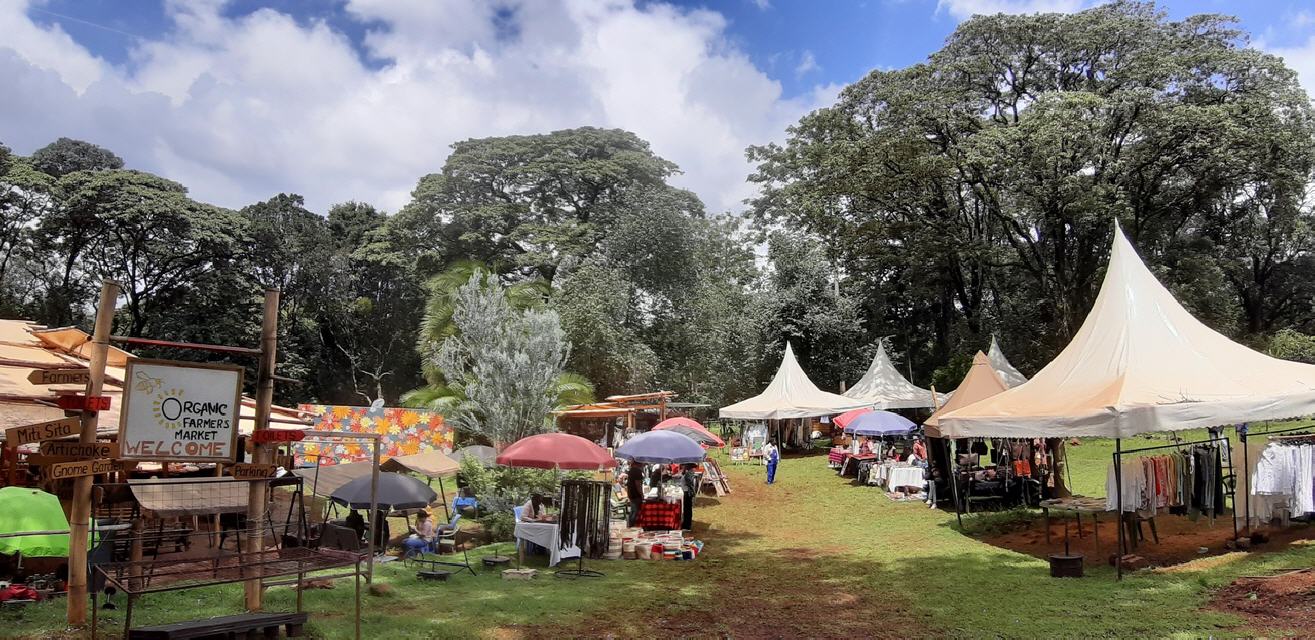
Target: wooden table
[[1077, 505]]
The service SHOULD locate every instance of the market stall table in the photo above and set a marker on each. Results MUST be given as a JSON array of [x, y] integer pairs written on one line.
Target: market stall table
[[897, 476], [545, 535], [1077, 505], [856, 459]]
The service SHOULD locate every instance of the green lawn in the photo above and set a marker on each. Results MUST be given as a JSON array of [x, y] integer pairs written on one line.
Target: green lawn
[[811, 555]]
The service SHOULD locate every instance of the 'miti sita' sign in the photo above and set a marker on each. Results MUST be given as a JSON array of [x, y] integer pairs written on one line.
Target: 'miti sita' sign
[[180, 411]]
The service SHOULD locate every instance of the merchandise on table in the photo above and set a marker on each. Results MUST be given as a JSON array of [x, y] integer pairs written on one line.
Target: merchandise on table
[[654, 515], [1281, 480]]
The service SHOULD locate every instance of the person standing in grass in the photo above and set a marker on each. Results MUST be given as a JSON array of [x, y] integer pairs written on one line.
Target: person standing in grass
[[771, 456]]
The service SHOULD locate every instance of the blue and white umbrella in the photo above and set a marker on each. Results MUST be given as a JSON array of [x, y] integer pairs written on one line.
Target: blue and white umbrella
[[880, 423], [661, 447]]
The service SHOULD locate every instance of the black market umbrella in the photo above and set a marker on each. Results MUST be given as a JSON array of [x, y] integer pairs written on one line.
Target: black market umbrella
[[487, 456], [396, 491]]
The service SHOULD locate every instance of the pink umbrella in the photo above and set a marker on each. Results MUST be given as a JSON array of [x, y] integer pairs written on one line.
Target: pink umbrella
[[692, 429], [845, 418], [556, 451]]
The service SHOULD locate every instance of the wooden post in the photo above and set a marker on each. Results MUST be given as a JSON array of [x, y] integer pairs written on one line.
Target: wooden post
[[81, 511], [255, 541], [376, 527]]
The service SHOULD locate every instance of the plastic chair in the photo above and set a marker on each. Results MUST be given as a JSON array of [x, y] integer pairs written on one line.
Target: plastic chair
[[447, 535], [518, 512]]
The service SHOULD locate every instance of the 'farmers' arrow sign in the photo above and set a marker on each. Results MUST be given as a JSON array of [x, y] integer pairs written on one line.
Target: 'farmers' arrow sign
[[42, 431], [59, 376]]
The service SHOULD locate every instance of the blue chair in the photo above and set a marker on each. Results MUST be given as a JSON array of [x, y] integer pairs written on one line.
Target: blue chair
[[518, 512]]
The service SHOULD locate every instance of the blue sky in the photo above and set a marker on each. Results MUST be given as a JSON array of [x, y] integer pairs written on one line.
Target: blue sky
[[242, 99]]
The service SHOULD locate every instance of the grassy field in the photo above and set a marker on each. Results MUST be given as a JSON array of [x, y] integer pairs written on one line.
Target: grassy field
[[811, 555]]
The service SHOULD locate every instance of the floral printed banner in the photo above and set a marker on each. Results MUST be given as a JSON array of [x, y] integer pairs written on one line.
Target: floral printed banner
[[405, 432]]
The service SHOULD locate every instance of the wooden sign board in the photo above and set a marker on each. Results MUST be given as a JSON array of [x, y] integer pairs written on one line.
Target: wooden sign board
[[244, 471], [42, 431], [78, 450], [80, 468], [266, 436], [59, 376], [180, 411], [83, 403]]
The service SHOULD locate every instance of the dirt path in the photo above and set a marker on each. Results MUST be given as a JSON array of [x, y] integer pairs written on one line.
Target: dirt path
[[768, 571]]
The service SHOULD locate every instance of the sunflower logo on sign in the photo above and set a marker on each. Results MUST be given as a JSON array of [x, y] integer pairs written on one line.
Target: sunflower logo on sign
[[168, 408]]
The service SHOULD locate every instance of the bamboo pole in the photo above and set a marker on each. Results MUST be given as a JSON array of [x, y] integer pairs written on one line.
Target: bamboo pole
[[81, 511], [264, 400]]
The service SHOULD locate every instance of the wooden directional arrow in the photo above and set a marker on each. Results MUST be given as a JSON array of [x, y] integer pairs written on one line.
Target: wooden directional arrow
[[59, 376], [80, 468], [42, 431], [79, 450], [244, 471]]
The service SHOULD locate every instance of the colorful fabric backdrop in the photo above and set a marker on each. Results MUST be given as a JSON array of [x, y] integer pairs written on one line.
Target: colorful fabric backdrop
[[405, 431]]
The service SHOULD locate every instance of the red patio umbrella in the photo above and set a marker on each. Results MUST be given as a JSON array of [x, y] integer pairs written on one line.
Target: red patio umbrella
[[692, 429], [556, 451], [845, 418]]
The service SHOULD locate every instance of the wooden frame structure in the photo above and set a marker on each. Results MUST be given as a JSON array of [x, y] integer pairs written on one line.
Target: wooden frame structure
[[587, 419]]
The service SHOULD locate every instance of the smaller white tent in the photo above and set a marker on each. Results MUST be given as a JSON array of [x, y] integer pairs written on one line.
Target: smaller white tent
[[790, 395], [882, 387], [1012, 377], [1140, 363]]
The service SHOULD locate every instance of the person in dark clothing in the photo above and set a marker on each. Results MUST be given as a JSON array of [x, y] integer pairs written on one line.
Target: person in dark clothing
[[635, 491], [356, 522], [690, 480], [381, 532]]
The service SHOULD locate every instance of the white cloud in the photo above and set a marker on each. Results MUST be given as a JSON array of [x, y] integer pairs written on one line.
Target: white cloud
[[238, 109], [1299, 58], [807, 64], [964, 9], [762, 5]]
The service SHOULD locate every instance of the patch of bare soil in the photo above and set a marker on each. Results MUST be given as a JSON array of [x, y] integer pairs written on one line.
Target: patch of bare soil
[[1283, 604], [1180, 539]]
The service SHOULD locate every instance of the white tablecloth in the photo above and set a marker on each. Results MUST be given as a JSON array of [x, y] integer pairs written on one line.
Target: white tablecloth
[[905, 477], [545, 535]]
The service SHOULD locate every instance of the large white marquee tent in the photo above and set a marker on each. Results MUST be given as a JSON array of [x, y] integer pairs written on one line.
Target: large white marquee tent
[[790, 395], [882, 387], [1141, 363]]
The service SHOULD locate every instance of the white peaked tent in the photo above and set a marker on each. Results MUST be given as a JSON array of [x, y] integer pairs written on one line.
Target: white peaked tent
[[790, 395], [1140, 363], [1012, 377], [882, 387], [982, 382]]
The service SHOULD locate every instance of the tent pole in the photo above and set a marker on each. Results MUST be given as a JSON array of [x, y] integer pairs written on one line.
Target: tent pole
[[1246, 468], [446, 513], [954, 484], [1118, 518]]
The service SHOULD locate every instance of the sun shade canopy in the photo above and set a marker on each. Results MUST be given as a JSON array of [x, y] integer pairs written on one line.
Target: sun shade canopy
[[691, 429], [558, 451], [791, 395], [325, 479], [1141, 363], [982, 382], [395, 491], [880, 423], [882, 387], [661, 447], [431, 464], [26, 510]]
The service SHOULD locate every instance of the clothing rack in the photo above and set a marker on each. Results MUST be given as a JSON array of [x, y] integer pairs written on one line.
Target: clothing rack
[[1120, 452], [1243, 431]]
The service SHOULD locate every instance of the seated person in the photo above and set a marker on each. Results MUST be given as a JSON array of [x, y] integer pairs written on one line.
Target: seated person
[[356, 522], [892, 455], [424, 536], [535, 509], [865, 447]]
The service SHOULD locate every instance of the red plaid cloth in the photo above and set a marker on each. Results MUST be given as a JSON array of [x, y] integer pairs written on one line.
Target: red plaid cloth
[[663, 516], [835, 456]]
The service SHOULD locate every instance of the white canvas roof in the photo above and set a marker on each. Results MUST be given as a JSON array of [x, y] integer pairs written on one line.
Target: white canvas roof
[[1141, 363], [882, 387], [790, 395], [1012, 377], [982, 382]]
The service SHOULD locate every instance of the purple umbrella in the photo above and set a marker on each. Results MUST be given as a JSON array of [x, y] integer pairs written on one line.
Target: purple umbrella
[[661, 447], [880, 423]]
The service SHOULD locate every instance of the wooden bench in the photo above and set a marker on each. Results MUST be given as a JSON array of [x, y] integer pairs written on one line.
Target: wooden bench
[[239, 626]]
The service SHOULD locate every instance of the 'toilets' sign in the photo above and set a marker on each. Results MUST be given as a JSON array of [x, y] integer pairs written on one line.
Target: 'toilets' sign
[[180, 411]]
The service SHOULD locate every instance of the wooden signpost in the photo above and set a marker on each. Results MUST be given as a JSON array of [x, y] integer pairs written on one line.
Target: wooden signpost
[[89, 404], [268, 436], [246, 471], [80, 469], [59, 376], [80, 451], [41, 431]]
